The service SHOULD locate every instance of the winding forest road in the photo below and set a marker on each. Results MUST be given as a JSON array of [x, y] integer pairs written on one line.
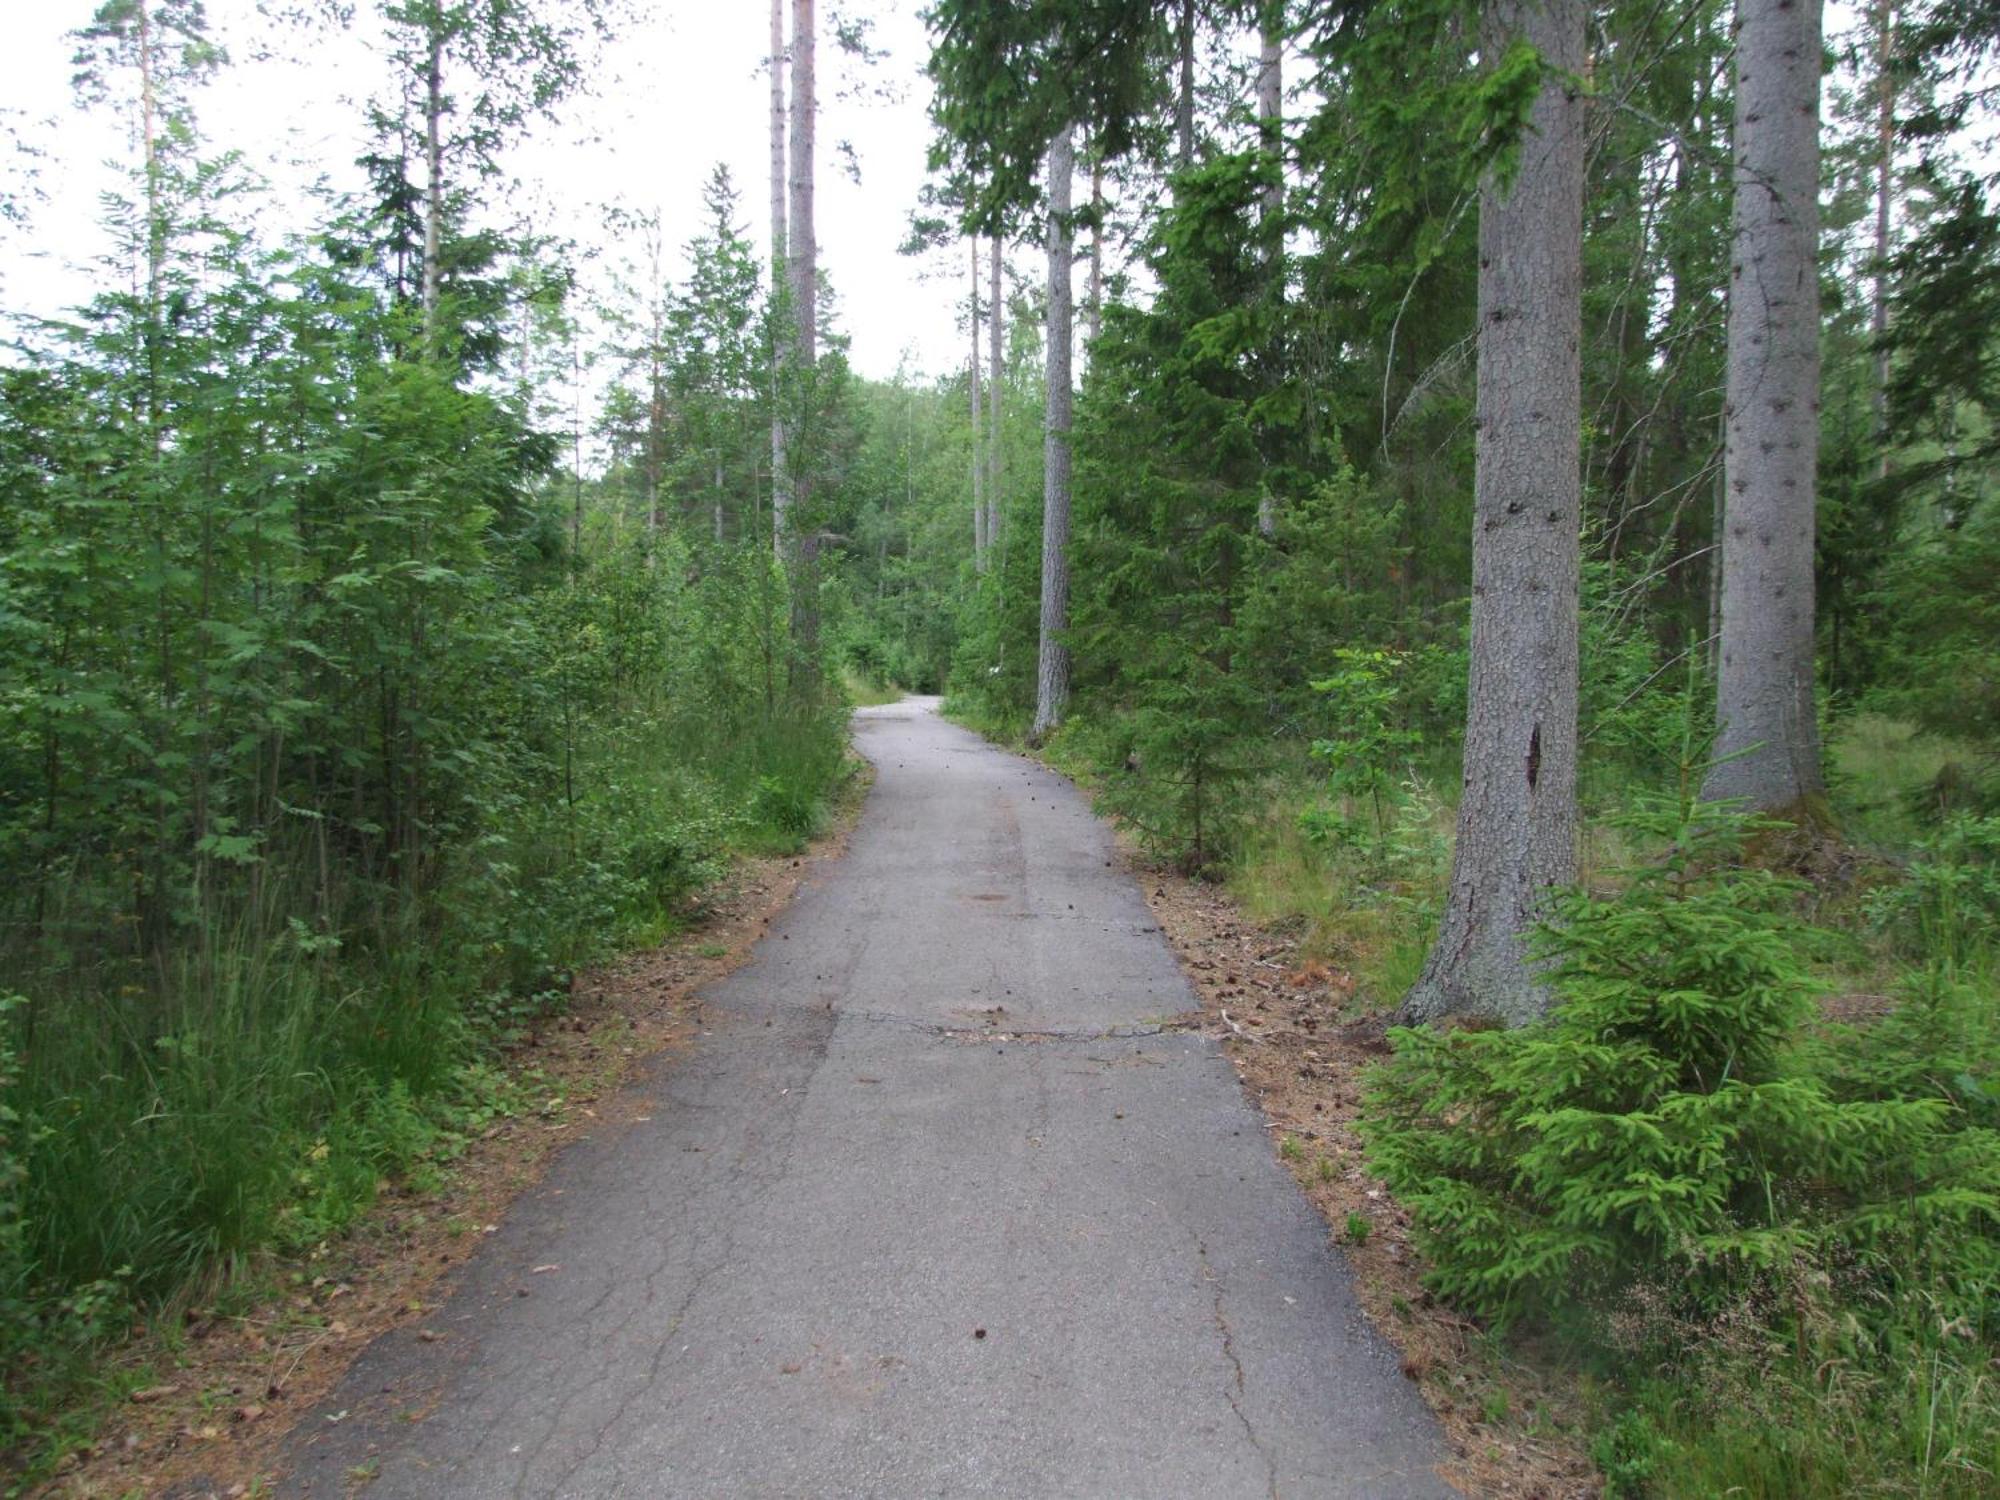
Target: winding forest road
[[866, 1244]]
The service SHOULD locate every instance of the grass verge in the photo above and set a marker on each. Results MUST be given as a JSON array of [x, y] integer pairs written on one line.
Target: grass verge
[[206, 1164]]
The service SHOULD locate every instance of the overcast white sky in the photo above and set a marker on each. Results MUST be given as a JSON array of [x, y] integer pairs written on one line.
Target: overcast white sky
[[680, 89]]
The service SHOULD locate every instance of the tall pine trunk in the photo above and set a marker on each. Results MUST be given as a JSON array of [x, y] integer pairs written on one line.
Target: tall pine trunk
[[1885, 190], [1184, 98], [979, 538], [801, 243], [1517, 817], [433, 186], [804, 248], [1094, 297], [780, 185], [995, 352], [1271, 126], [1767, 740], [1052, 664]]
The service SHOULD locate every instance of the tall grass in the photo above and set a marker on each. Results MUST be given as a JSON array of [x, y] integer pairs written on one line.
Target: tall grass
[[166, 1117]]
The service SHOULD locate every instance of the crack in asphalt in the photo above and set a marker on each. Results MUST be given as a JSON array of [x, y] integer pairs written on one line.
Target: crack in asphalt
[[1234, 1390], [994, 1033], [744, 1163]]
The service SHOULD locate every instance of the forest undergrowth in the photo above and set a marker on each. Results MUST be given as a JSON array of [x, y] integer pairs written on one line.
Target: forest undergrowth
[[309, 1023]]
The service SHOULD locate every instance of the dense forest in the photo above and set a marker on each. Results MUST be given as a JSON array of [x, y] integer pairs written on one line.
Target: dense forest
[[1512, 492]]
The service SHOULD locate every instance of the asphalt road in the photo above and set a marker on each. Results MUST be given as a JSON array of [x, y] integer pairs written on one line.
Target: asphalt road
[[937, 1210]]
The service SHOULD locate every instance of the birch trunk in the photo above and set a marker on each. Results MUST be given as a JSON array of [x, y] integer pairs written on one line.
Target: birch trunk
[[780, 183], [1767, 740], [979, 537], [1052, 665], [1517, 817]]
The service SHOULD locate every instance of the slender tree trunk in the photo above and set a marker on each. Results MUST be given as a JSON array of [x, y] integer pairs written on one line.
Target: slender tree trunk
[[979, 537], [1517, 817], [1767, 742], [1271, 101], [1094, 309], [1052, 667], [576, 445], [716, 504], [804, 249], [149, 140], [1271, 125], [153, 908], [1885, 189], [996, 352], [780, 184], [1184, 99], [433, 185]]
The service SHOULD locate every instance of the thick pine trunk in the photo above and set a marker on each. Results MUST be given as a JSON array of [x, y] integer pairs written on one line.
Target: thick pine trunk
[[979, 538], [1052, 665], [780, 185], [1767, 741], [1517, 817]]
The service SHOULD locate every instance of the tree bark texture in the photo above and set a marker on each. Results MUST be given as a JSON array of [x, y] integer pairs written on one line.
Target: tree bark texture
[[1767, 735], [1052, 665], [1517, 817], [1885, 191], [979, 537], [780, 186], [1271, 125], [1094, 296], [800, 239], [1184, 100], [804, 249], [433, 186], [1271, 101], [996, 351]]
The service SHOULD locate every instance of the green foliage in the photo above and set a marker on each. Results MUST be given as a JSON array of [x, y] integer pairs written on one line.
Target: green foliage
[[1944, 643], [335, 736], [1946, 909], [1654, 1129], [1368, 750]]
